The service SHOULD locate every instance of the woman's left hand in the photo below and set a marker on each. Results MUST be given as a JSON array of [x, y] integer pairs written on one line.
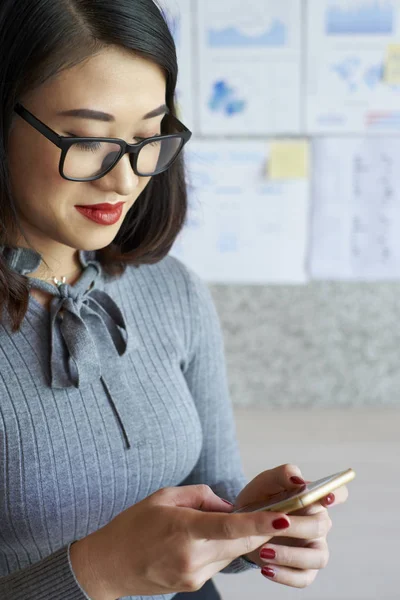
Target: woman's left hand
[[297, 561]]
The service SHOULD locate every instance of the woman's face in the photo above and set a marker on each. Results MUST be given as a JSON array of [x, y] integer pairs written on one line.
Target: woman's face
[[113, 82]]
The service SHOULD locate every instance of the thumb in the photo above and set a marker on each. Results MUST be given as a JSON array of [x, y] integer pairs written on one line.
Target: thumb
[[199, 497]]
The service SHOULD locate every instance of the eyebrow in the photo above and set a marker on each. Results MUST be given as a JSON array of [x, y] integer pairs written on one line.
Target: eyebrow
[[87, 113]]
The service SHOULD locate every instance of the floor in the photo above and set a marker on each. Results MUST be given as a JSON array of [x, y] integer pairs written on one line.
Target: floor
[[365, 538]]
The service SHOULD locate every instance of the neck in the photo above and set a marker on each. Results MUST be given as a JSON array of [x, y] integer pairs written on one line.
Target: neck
[[62, 261], [71, 270]]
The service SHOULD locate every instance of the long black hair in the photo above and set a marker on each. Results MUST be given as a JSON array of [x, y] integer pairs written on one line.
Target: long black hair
[[39, 39]]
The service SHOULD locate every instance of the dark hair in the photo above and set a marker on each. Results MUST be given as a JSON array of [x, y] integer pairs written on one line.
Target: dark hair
[[39, 39]]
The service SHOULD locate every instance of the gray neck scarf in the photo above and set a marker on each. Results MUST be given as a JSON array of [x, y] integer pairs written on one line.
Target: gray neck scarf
[[86, 342]]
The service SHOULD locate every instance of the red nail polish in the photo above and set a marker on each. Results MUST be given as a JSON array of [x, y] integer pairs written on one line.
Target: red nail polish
[[227, 501], [297, 480], [268, 553], [330, 499], [268, 572], [281, 523]]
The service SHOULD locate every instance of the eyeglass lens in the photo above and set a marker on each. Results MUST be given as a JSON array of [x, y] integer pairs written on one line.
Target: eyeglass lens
[[92, 159]]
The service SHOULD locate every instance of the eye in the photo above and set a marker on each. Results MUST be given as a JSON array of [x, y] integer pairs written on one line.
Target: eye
[[92, 145], [89, 146], [141, 139]]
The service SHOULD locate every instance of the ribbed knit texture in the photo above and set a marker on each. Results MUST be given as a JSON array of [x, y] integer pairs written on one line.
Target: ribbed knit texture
[[65, 469]]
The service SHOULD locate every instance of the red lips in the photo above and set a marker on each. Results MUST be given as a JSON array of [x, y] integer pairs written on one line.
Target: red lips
[[103, 207]]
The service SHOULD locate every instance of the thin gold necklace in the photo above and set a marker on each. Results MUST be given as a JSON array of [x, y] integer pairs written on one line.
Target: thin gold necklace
[[57, 281]]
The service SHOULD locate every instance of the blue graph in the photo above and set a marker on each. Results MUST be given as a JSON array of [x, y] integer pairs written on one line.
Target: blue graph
[[224, 99], [357, 77], [276, 35], [368, 18]]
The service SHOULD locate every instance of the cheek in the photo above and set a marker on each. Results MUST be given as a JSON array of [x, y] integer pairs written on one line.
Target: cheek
[[34, 169], [36, 184]]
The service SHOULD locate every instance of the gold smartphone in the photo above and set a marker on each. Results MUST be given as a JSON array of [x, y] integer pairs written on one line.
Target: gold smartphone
[[288, 502]]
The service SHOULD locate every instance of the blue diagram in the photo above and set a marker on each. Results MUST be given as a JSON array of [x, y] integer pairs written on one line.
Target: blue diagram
[[370, 17], [348, 71], [374, 75], [224, 100], [276, 35], [356, 76]]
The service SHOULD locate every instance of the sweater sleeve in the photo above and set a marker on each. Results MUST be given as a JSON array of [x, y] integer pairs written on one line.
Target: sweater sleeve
[[219, 465], [51, 578]]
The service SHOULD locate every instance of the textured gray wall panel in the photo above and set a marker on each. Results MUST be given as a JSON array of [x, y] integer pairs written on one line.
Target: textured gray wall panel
[[323, 344]]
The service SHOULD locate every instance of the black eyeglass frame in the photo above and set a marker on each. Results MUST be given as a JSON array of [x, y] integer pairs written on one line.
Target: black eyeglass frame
[[64, 143]]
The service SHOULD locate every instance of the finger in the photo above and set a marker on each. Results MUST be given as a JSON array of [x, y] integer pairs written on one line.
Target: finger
[[310, 527], [303, 528], [200, 497], [286, 541], [230, 536], [316, 556], [277, 480], [287, 476], [229, 527], [339, 497], [328, 500], [312, 509], [290, 577]]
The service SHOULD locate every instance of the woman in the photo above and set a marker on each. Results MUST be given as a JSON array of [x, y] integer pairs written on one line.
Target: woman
[[117, 433]]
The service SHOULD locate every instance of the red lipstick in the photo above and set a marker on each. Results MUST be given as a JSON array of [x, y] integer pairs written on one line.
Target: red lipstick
[[103, 214]]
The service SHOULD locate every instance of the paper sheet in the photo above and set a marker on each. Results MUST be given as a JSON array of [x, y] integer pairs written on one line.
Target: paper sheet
[[356, 213], [348, 43], [250, 57], [243, 228], [178, 14]]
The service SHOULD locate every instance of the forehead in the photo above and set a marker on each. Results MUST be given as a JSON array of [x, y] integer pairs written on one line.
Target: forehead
[[113, 80]]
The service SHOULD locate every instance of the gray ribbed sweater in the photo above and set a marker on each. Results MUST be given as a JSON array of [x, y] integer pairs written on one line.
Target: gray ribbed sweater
[[123, 394]]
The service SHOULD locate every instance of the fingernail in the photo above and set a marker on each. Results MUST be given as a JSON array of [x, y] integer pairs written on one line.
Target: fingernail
[[268, 572], [281, 523], [268, 553], [297, 480], [330, 499], [227, 501]]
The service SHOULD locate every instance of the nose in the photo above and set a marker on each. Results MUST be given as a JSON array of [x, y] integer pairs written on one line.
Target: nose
[[122, 179]]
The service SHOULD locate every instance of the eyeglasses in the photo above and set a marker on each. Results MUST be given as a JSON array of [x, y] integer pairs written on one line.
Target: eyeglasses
[[88, 158]]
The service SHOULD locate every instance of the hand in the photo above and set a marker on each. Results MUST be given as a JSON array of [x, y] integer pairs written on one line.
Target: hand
[[173, 541], [297, 559]]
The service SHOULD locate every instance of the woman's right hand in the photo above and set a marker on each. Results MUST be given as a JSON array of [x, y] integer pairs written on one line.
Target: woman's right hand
[[173, 541]]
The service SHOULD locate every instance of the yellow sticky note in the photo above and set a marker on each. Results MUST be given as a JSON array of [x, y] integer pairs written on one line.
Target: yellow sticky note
[[178, 109], [289, 159], [392, 66]]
